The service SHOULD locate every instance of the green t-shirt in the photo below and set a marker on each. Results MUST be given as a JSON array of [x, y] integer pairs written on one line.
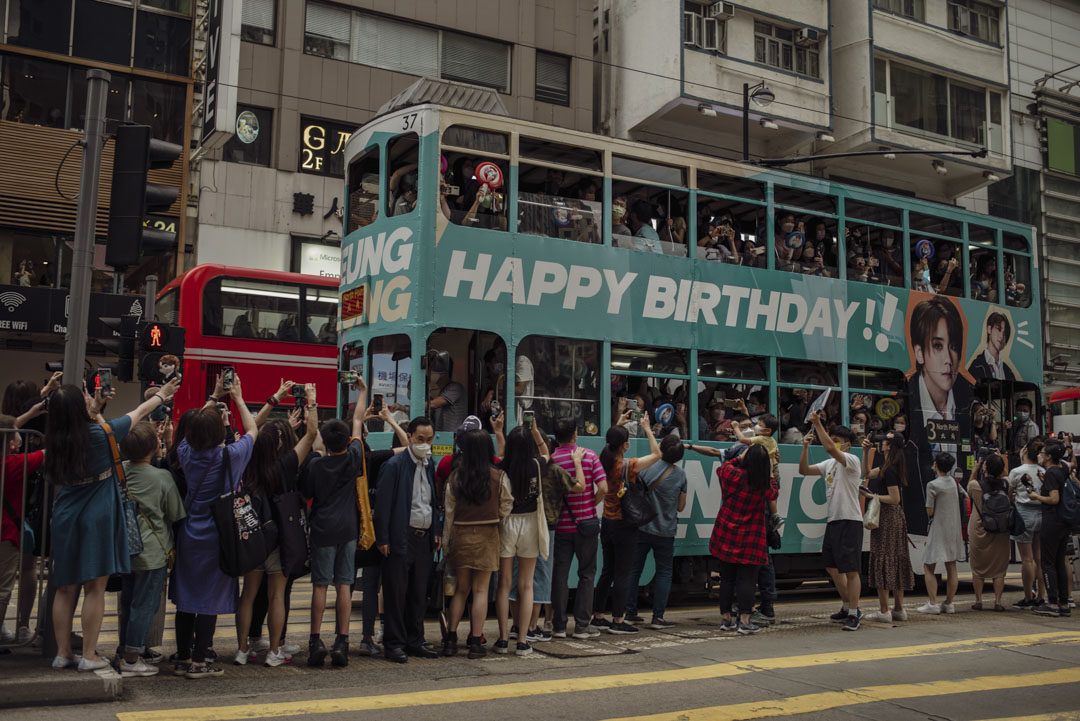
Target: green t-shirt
[[159, 503]]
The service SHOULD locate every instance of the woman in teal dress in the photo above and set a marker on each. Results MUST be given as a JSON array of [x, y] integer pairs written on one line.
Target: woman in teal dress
[[89, 537]]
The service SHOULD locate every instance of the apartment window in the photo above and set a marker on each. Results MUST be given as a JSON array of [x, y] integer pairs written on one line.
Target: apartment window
[[162, 42], [702, 31], [102, 32], [552, 78], [979, 20], [794, 50], [160, 105], [257, 21], [336, 32], [252, 141], [907, 8], [34, 24], [935, 105]]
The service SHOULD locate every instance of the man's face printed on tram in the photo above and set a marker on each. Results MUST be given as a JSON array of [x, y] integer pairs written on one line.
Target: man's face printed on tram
[[939, 359], [996, 337]]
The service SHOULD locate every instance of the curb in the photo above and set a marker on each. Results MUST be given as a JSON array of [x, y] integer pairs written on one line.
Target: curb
[[61, 688]]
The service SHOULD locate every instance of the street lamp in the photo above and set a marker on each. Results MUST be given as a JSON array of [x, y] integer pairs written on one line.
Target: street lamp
[[761, 96]]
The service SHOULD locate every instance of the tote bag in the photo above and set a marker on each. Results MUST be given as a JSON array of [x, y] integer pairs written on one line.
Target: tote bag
[[243, 544]]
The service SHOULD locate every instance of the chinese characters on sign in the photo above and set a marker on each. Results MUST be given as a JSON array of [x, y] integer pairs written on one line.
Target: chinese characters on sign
[[322, 146]]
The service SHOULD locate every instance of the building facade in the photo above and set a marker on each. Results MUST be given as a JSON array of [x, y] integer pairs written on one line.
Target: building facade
[[312, 71]]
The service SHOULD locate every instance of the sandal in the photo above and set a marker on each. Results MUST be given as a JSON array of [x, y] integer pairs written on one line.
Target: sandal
[[998, 607], [977, 606]]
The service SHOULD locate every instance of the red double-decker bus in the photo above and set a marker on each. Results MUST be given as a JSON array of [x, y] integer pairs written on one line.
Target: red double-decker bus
[[267, 325]]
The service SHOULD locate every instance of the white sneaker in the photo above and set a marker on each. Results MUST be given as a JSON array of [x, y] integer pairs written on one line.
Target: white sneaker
[[277, 659], [139, 668], [900, 615], [878, 616], [929, 608], [6, 636], [240, 659], [948, 608], [259, 643], [289, 649], [379, 633], [24, 634]]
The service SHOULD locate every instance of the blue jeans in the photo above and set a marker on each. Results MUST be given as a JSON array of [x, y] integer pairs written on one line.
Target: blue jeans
[[766, 581], [140, 595], [663, 550]]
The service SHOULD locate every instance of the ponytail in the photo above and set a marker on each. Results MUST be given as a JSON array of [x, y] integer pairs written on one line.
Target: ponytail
[[613, 442]]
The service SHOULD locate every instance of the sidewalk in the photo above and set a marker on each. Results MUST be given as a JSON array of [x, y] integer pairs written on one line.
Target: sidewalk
[[26, 679]]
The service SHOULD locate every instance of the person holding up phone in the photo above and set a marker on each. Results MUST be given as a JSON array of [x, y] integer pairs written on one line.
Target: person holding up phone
[[890, 563]]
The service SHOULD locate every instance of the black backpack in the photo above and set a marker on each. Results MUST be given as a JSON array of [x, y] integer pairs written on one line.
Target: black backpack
[[996, 510]]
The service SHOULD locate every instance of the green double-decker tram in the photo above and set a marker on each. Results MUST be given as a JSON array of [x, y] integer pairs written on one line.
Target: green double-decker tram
[[557, 274]]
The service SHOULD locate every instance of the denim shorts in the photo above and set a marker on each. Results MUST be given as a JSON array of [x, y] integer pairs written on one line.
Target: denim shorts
[[334, 564], [1033, 517]]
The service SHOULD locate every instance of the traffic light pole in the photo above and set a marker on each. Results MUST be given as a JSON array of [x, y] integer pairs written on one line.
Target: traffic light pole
[[150, 300], [82, 261]]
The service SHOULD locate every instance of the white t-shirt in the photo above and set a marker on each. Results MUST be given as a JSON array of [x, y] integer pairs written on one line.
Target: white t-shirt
[[523, 373], [842, 487], [1035, 473]]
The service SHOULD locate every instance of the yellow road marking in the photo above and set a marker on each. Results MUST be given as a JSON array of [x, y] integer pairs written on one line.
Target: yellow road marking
[[589, 683], [815, 702], [1056, 716]]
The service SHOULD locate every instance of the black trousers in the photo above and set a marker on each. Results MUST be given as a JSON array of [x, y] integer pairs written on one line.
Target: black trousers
[[737, 582], [194, 635], [618, 541], [1053, 537], [405, 593], [262, 606], [369, 582]]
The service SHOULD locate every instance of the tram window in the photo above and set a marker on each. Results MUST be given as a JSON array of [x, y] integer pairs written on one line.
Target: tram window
[[465, 200], [870, 413], [402, 155], [557, 204], [792, 405], [717, 411], [352, 359], [484, 141], [874, 255], [321, 311], [559, 378], [728, 230], [647, 359], [391, 374], [728, 185], [665, 400], [806, 373], [875, 379], [649, 172], [465, 372], [363, 190], [798, 247], [981, 235], [1017, 280], [730, 366], [654, 221], [853, 209], [940, 259], [804, 199], [1012, 241], [549, 152], [251, 309], [920, 223], [983, 280]]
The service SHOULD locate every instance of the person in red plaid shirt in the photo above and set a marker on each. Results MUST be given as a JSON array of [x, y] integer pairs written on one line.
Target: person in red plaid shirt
[[738, 538]]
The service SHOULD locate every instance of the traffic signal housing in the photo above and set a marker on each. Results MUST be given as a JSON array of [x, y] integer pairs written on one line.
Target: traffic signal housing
[[157, 340], [123, 345], [133, 197]]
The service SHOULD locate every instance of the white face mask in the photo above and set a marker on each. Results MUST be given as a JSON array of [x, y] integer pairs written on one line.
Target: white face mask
[[857, 428], [787, 227], [899, 427], [750, 432], [421, 450]]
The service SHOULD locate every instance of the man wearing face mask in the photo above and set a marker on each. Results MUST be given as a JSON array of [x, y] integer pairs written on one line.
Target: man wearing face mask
[[408, 530], [785, 256], [448, 398], [1025, 428]]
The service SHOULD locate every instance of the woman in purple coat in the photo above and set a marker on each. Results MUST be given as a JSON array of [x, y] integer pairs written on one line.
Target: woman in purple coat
[[200, 590]]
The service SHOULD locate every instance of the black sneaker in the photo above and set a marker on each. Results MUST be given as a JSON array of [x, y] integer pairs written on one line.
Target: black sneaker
[[316, 652], [600, 624], [621, 629], [339, 654], [659, 624], [449, 644], [852, 623], [745, 629], [1045, 609], [1023, 604], [523, 649], [634, 618], [476, 647], [500, 647], [537, 635], [1063, 610], [839, 617], [513, 633], [207, 670]]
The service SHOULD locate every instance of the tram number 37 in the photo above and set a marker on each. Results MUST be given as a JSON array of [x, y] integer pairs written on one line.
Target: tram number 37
[[409, 122]]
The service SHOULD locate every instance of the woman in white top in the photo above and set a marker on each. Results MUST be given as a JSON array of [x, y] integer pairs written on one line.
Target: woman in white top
[[1026, 480], [945, 540]]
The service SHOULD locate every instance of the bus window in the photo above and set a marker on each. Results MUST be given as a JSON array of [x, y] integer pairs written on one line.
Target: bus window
[[558, 204], [251, 309], [1017, 280], [391, 374], [727, 231], [363, 190], [320, 315], [875, 379], [728, 185], [920, 223], [654, 220], [981, 235], [402, 155], [792, 405], [465, 375], [717, 410], [854, 210], [809, 380], [795, 198], [731, 367], [558, 378], [167, 307], [807, 373], [485, 141], [983, 264], [352, 359], [1011, 241], [874, 255], [635, 389], [548, 152], [804, 244], [466, 199], [935, 266], [649, 172]]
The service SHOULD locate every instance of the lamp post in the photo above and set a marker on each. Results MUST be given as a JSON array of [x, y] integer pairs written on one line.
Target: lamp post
[[762, 96]]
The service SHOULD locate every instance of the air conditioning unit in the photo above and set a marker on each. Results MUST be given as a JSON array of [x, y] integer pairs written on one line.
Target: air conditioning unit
[[721, 10], [808, 36]]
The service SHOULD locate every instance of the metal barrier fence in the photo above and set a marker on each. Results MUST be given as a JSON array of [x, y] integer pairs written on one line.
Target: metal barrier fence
[[26, 519]]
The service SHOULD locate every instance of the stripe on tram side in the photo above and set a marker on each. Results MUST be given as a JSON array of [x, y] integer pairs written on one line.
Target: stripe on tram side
[[474, 694]]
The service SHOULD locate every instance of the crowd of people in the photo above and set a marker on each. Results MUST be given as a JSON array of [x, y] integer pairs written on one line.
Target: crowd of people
[[139, 501]]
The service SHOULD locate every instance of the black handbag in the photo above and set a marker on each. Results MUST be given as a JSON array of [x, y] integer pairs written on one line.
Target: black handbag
[[589, 528], [293, 542], [241, 538], [637, 509]]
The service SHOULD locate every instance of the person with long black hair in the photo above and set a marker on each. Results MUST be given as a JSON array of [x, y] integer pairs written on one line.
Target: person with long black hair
[[274, 467], [738, 537], [477, 498], [1054, 534], [890, 562], [988, 552], [618, 539], [89, 532]]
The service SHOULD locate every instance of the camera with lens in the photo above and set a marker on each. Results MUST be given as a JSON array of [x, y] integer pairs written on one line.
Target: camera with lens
[[984, 451], [878, 437]]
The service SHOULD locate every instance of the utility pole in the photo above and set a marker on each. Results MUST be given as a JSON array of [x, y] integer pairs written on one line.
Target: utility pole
[[82, 260], [150, 300]]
